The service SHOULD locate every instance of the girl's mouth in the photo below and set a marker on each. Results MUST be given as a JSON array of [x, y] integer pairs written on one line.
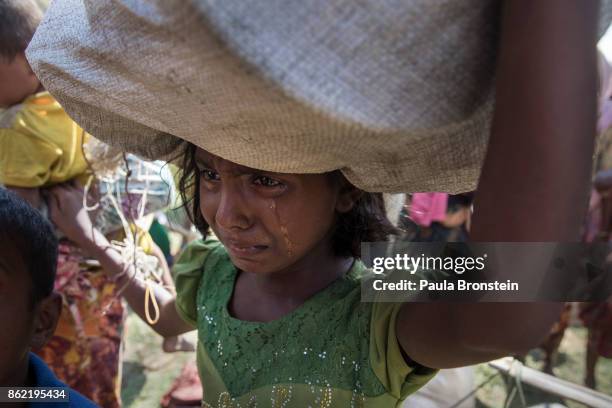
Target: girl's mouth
[[242, 249]]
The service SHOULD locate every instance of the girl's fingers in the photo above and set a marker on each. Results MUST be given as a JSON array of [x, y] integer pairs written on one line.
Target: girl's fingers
[[74, 189], [66, 190], [57, 190]]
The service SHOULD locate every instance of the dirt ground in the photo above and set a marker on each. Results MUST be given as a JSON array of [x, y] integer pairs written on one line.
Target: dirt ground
[[148, 371]]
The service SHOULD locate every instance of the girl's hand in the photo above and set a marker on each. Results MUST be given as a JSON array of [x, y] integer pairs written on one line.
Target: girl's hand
[[66, 211], [68, 214]]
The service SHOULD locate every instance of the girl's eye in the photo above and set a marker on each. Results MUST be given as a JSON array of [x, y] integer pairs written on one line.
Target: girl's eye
[[209, 175], [266, 181]]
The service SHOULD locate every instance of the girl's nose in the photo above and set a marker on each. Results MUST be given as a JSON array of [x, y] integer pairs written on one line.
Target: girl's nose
[[232, 212]]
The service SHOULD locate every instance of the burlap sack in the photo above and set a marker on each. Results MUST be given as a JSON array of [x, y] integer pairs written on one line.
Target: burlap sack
[[397, 94]]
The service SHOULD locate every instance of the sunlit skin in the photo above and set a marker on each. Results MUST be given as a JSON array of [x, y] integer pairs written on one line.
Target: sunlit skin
[[17, 81], [277, 230]]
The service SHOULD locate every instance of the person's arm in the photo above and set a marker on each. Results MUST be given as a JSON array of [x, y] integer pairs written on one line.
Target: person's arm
[[67, 213], [164, 269], [535, 180]]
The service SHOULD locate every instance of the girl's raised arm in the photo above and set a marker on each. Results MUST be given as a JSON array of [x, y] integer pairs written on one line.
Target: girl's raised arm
[[534, 182]]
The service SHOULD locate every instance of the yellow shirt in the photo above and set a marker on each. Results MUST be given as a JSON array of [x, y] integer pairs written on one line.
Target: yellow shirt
[[39, 144]]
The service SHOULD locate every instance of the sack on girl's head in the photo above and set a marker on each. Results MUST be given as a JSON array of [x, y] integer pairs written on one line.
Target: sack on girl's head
[[399, 96]]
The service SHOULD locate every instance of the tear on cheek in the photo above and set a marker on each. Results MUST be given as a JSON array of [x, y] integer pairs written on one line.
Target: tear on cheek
[[283, 228], [288, 242]]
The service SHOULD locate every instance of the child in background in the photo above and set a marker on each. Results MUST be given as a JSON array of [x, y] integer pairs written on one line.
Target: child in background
[[276, 299], [437, 217], [29, 309], [40, 146]]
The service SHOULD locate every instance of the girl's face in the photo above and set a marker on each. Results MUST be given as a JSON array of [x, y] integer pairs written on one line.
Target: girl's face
[[267, 221]]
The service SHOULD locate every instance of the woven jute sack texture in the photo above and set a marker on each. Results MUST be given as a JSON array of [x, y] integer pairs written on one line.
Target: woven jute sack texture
[[398, 94]]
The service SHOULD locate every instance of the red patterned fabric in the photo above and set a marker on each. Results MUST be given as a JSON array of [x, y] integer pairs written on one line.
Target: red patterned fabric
[[86, 347]]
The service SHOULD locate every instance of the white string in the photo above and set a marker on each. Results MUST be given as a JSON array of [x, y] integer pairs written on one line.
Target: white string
[[105, 164], [86, 194]]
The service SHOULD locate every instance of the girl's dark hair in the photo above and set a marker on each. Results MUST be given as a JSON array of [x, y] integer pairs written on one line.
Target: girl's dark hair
[[365, 222], [189, 189]]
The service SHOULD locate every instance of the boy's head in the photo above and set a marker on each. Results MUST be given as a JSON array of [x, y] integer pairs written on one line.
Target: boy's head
[[18, 21], [29, 308]]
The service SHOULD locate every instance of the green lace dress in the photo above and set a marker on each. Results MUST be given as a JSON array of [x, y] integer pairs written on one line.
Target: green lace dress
[[333, 351]]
